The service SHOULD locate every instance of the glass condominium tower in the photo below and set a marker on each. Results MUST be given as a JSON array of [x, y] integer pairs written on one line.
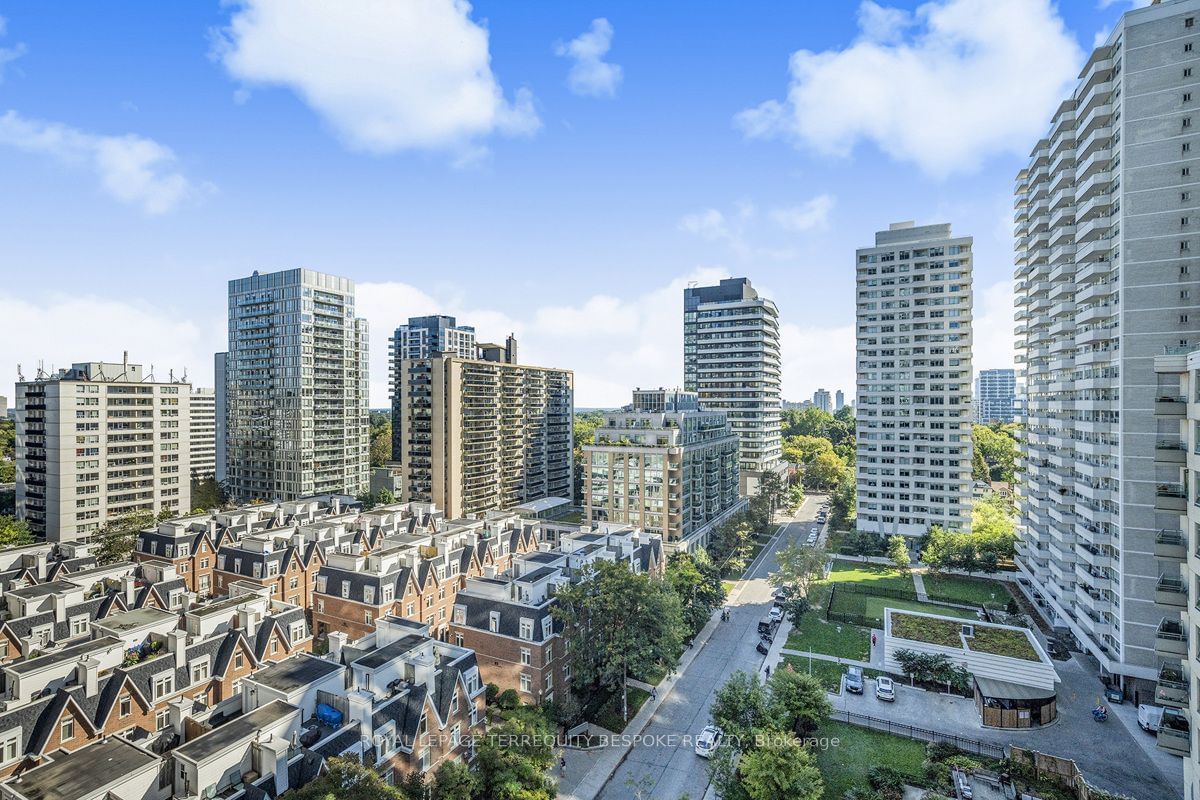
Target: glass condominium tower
[[296, 387], [731, 359]]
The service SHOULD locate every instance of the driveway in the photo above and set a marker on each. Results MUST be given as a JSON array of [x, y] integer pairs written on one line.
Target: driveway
[[665, 765], [1109, 753]]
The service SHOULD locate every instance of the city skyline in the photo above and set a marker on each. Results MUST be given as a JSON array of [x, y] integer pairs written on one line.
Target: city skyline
[[155, 182]]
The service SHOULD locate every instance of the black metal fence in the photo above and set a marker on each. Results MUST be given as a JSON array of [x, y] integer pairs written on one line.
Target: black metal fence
[[963, 743]]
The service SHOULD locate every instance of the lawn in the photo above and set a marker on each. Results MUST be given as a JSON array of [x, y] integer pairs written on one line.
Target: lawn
[[878, 575], [924, 629], [865, 605], [608, 715], [829, 673], [818, 635], [972, 591], [845, 765], [727, 586]]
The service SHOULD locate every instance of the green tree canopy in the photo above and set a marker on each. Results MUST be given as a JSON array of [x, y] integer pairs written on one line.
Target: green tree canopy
[[697, 583], [799, 566], [796, 699], [998, 444], [740, 706], [119, 535], [781, 769], [513, 758], [14, 532], [347, 779], [898, 552]]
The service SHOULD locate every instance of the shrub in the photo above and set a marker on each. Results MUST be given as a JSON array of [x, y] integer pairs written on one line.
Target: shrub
[[489, 694], [965, 763], [940, 751]]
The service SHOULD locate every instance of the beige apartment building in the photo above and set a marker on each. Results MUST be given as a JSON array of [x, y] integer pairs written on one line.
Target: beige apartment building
[[97, 441], [481, 434], [663, 464], [203, 430]]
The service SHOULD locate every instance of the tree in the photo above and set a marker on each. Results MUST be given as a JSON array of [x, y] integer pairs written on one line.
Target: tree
[[796, 700], [513, 757], [794, 608], [14, 532], [798, 567], [824, 471], [618, 623], [454, 781], [740, 706], [781, 769], [381, 444], [794, 498], [697, 583], [729, 542], [347, 779], [898, 552], [207, 494], [979, 466], [723, 773], [843, 503], [584, 433], [861, 543], [805, 449], [998, 445], [119, 535], [809, 421]]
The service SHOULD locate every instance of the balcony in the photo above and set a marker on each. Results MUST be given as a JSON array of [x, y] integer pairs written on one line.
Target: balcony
[[1170, 640], [1170, 406], [1170, 544], [1172, 687], [1170, 451], [1170, 591], [1170, 497], [1174, 733]]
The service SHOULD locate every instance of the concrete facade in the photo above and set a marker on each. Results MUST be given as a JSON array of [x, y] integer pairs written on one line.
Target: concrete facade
[[203, 433], [731, 359], [996, 396], [913, 405], [1106, 225], [296, 387], [98, 441]]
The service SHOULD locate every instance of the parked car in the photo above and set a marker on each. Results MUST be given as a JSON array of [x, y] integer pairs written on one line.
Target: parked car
[[708, 741], [812, 538], [775, 614], [766, 625], [1150, 717], [884, 689], [854, 680], [762, 647], [783, 593]]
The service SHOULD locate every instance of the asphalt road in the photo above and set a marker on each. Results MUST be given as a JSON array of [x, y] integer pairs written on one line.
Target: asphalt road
[[666, 766]]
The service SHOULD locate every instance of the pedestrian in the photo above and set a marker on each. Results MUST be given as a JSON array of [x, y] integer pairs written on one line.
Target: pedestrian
[[872, 640], [562, 766], [768, 670], [653, 692]]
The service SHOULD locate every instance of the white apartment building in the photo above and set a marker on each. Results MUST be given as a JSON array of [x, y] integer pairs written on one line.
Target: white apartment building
[[839, 400], [731, 359], [913, 405], [203, 433], [1177, 637], [995, 395], [823, 401], [295, 387], [424, 336], [1107, 225], [97, 441]]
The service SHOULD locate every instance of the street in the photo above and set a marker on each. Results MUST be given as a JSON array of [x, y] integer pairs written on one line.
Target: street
[[668, 767]]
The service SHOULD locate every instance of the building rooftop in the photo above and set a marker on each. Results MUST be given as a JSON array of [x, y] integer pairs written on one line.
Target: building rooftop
[[43, 589], [124, 621], [541, 504], [292, 673], [382, 655], [73, 653], [243, 728], [84, 772]]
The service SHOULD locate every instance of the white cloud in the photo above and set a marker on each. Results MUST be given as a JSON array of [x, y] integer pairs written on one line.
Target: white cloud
[[72, 327], [9, 54], [386, 76], [131, 168], [994, 327], [810, 215], [817, 357], [590, 74], [708, 224], [955, 83]]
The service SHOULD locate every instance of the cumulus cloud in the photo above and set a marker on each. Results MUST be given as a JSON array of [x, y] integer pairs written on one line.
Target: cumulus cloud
[[993, 327], [946, 87], [131, 168], [810, 215], [708, 224], [176, 339], [8, 54], [590, 74], [386, 76]]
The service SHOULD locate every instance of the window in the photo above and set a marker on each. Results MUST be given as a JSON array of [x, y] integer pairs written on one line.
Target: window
[[297, 631], [526, 628], [1188, 22], [66, 731], [458, 639], [200, 670], [274, 647], [162, 720], [239, 660], [345, 588], [526, 658], [8, 748], [454, 702], [126, 707], [164, 685], [526, 682], [1187, 122], [549, 681], [368, 594], [1187, 48], [1186, 171], [494, 621], [1187, 97], [460, 615], [79, 626]]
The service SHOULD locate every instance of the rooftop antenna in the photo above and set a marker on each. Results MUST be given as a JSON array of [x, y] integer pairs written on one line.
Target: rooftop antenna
[[20, 375]]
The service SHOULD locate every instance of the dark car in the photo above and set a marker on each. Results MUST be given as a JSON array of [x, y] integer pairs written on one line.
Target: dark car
[[762, 648], [854, 680]]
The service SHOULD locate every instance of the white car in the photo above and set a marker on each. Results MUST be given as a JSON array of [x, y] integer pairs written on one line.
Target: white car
[[708, 741], [775, 614], [884, 689]]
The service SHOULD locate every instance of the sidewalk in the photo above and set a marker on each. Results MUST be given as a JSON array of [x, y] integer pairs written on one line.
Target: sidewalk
[[605, 762]]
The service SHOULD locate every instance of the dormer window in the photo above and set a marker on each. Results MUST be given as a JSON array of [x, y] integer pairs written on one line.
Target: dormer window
[[256, 569], [322, 582], [389, 593], [547, 627], [237, 565], [368, 594], [460, 615], [494, 621], [526, 628], [345, 588]]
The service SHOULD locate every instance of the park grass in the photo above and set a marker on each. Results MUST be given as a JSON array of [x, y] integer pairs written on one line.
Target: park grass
[[871, 607], [878, 575], [816, 634], [727, 586], [972, 591], [845, 765]]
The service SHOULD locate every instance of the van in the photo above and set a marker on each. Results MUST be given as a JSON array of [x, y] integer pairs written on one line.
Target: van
[[1149, 717], [765, 625]]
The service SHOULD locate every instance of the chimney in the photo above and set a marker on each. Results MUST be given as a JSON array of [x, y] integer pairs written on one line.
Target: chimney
[[129, 587], [176, 712], [247, 621], [337, 506], [212, 528], [60, 607], [273, 760], [358, 703], [87, 675], [177, 644], [337, 640]]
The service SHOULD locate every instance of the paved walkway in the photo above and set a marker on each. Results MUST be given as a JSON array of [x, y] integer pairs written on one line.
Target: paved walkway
[[919, 584]]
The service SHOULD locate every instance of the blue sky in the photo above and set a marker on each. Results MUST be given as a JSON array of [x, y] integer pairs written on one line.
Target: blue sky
[[558, 170]]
